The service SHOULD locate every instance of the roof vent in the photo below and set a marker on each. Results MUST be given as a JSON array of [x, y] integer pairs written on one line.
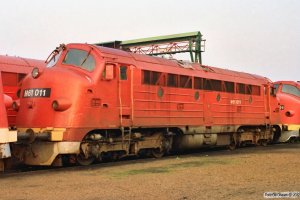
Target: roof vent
[[185, 64], [206, 68]]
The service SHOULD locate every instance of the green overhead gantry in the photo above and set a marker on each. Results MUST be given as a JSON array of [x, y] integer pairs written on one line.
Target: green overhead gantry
[[170, 44]]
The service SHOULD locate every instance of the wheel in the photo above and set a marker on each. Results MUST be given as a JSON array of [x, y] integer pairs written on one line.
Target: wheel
[[232, 146], [263, 142], [82, 160], [157, 153], [1, 165], [243, 144], [277, 135], [292, 140]]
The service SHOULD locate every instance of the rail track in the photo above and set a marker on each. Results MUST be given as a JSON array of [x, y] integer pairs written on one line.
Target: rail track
[[220, 151]]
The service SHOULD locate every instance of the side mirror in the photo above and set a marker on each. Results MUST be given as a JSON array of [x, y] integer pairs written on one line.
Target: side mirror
[[108, 72]]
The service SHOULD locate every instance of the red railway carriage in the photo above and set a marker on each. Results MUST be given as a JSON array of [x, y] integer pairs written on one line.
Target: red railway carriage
[[288, 93], [95, 102], [13, 70], [6, 136]]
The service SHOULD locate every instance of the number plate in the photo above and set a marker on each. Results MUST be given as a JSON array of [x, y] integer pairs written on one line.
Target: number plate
[[37, 92]]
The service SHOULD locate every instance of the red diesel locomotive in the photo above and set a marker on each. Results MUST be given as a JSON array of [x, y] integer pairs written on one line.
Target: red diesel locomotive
[[13, 70], [94, 102], [6, 135], [288, 93]]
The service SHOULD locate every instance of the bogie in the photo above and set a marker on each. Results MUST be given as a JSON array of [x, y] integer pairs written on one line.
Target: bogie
[[116, 144]]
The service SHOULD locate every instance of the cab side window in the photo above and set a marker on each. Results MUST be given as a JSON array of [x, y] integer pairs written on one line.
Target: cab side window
[[276, 86], [123, 73]]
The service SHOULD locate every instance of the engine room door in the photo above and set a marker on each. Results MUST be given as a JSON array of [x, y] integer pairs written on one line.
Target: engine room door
[[271, 106], [207, 108], [125, 95]]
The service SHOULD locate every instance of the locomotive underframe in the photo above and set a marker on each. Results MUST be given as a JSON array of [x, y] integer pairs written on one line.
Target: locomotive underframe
[[6, 136], [118, 143], [290, 133], [155, 143]]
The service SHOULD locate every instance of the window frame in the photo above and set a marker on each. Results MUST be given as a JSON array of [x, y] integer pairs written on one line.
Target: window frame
[[227, 85], [295, 95], [185, 82], [121, 78], [175, 81], [89, 53]]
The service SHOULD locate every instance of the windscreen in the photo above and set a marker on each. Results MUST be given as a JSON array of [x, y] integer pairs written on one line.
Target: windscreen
[[80, 58], [290, 89]]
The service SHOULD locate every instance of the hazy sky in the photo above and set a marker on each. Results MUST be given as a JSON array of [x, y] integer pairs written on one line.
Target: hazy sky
[[255, 36]]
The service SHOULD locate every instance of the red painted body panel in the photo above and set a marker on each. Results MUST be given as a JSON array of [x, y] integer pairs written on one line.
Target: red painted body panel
[[97, 103], [13, 70], [4, 100], [289, 103]]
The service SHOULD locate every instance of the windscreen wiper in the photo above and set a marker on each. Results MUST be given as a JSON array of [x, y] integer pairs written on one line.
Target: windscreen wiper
[[86, 57]]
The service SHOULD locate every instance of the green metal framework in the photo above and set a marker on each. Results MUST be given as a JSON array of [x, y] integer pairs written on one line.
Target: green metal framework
[[170, 44]]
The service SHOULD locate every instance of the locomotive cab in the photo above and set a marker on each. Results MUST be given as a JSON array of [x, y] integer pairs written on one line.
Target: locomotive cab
[[68, 99], [288, 93]]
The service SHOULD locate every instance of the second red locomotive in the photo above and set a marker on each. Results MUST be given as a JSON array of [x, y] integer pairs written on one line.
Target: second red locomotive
[[94, 102], [13, 70], [6, 135], [288, 93]]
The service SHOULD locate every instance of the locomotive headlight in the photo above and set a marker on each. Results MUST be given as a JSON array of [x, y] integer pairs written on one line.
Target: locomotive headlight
[[290, 113], [61, 104], [55, 105], [35, 72]]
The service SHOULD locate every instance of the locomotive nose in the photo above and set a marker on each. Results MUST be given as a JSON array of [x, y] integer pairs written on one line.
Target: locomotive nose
[[50, 97]]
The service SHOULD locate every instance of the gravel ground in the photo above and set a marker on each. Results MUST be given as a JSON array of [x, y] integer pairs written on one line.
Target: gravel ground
[[242, 174]]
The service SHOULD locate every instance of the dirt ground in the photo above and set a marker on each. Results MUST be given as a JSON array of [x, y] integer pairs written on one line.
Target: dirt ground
[[242, 174]]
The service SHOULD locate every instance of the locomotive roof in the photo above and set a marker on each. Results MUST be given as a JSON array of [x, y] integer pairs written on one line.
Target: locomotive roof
[[18, 64], [152, 63]]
